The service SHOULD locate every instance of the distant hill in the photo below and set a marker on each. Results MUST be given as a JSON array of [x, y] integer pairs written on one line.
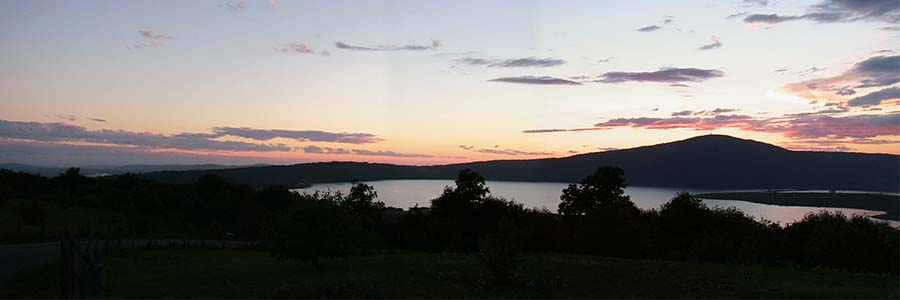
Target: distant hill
[[703, 162], [109, 170]]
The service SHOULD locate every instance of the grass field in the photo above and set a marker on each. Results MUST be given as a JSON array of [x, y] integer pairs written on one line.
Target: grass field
[[102, 223], [252, 274]]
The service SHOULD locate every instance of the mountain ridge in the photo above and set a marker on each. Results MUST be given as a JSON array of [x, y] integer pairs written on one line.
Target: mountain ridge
[[702, 162]]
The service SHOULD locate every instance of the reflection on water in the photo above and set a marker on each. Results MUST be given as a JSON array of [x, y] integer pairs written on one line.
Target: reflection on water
[[409, 193]]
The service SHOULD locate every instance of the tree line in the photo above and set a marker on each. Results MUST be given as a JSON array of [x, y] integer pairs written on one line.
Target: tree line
[[594, 217]]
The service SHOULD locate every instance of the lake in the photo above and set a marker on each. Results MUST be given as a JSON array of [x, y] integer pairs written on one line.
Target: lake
[[409, 193]]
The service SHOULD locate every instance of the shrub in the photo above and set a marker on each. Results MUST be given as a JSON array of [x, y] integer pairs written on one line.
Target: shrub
[[499, 252], [315, 227], [830, 239]]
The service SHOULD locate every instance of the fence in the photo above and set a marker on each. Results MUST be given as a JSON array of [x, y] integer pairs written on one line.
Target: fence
[[82, 276]]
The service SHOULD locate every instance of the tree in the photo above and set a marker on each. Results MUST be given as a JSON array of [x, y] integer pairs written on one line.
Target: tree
[[71, 177], [470, 185], [470, 188], [316, 227], [361, 200], [274, 198], [603, 189], [465, 213], [34, 214]]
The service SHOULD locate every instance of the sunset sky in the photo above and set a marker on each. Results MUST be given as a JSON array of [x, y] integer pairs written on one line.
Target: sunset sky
[[431, 82]]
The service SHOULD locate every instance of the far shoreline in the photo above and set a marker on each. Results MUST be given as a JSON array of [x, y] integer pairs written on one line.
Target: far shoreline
[[887, 203]]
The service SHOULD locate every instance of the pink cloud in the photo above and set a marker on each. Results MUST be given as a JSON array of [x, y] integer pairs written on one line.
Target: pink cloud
[[819, 125], [154, 36], [296, 48], [149, 39]]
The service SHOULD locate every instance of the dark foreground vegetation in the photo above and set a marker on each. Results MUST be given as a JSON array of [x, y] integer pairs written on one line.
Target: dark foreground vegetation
[[332, 233], [252, 274], [888, 203]]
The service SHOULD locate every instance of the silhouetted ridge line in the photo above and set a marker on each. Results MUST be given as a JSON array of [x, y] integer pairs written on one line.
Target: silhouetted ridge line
[[703, 162]]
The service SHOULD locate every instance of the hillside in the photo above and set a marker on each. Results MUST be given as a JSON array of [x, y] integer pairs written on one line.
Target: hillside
[[703, 162], [109, 170]]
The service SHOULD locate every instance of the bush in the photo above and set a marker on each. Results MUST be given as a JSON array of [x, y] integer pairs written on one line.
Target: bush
[[615, 231], [465, 213], [499, 252], [691, 230], [315, 227], [830, 239]]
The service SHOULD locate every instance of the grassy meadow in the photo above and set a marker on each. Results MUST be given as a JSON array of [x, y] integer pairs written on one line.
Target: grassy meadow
[[196, 273]]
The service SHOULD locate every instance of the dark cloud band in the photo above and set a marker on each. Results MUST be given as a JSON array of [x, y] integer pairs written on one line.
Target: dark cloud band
[[537, 80]]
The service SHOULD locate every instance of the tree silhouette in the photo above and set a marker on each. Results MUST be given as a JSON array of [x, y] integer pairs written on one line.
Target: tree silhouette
[[34, 214], [274, 198], [603, 189], [470, 185], [470, 189], [461, 215], [361, 200], [314, 227]]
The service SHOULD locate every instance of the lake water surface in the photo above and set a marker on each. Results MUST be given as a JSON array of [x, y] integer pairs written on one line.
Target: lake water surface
[[409, 193]]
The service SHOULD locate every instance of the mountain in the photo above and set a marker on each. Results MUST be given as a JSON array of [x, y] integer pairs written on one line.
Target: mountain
[[109, 170], [703, 162]]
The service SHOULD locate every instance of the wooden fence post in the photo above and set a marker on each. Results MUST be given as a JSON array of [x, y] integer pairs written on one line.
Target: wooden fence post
[[82, 276], [68, 256]]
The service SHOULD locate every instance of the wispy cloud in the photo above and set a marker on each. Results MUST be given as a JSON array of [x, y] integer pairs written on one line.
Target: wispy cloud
[[873, 72], [235, 6], [70, 118], [435, 44], [323, 150], [511, 63], [508, 152], [299, 135], [217, 141], [810, 71], [155, 36], [389, 153], [65, 154], [150, 39], [716, 44], [62, 132], [328, 150], [875, 98], [649, 28], [820, 125], [552, 130], [665, 75], [537, 80], [296, 48], [736, 15], [756, 2], [97, 120], [712, 112], [837, 11]]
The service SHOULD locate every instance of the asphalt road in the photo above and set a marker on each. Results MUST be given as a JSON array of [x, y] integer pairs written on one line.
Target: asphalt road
[[14, 258]]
